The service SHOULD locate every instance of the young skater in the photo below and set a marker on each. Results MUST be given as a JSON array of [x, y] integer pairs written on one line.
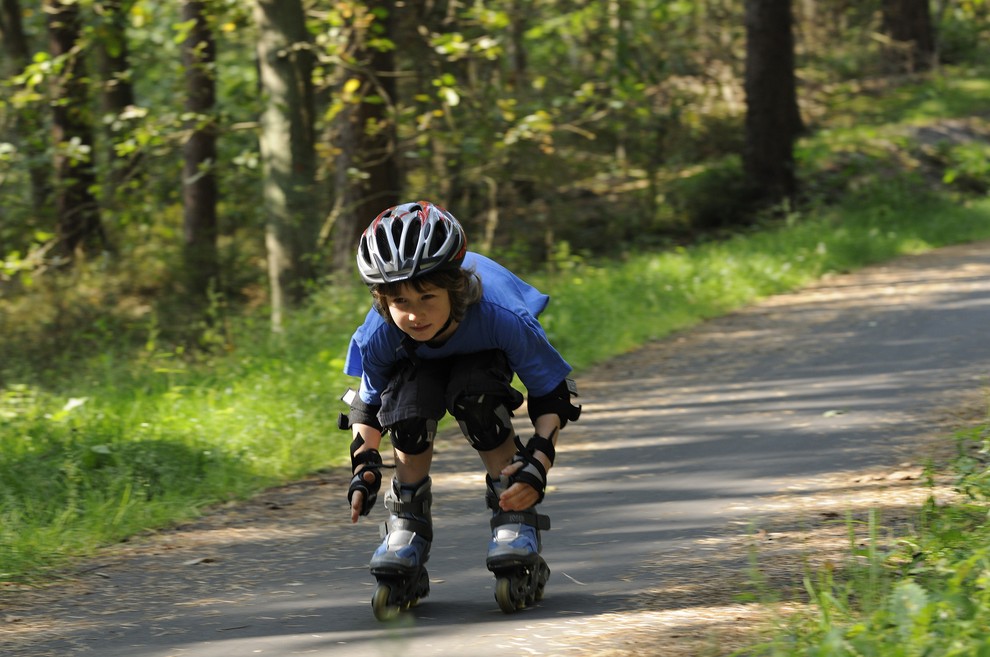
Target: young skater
[[447, 330]]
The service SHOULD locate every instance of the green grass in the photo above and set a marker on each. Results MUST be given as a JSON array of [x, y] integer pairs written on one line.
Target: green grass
[[136, 442], [958, 93]]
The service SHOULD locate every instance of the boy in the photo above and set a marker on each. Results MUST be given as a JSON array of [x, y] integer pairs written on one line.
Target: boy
[[447, 331]]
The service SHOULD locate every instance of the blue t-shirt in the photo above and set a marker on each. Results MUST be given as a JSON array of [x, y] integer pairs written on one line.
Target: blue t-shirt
[[504, 318]]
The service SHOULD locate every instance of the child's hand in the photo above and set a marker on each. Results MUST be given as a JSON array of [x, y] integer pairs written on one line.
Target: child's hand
[[357, 500], [519, 496]]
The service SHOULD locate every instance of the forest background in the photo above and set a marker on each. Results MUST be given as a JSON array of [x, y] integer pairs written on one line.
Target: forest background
[[181, 186]]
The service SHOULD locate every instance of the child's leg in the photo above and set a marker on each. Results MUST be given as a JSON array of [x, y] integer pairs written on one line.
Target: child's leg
[[497, 459], [411, 468], [412, 404]]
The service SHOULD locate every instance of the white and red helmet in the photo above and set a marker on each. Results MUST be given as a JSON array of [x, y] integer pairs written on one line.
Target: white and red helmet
[[410, 240]]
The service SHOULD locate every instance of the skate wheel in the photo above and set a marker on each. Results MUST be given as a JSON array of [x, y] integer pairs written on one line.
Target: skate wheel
[[544, 575], [538, 594], [503, 595], [380, 603], [422, 589]]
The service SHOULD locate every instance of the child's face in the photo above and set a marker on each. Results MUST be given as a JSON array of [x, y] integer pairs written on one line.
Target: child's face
[[420, 314]]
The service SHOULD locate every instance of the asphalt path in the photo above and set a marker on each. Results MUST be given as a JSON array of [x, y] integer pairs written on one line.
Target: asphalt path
[[676, 441]]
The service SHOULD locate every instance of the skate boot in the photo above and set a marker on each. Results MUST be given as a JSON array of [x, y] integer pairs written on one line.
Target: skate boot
[[398, 563], [514, 553]]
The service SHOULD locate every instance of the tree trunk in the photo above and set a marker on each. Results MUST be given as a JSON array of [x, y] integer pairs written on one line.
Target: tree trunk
[[368, 142], [773, 121], [28, 123], [908, 23], [14, 40], [78, 226], [287, 150], [113, 63], [199, 185]]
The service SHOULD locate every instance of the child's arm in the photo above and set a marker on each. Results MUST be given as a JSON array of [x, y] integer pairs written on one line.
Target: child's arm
[[549, 414]]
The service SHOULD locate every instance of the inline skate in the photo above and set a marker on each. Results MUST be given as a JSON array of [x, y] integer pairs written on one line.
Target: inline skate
[[514, 557], [399, 562]]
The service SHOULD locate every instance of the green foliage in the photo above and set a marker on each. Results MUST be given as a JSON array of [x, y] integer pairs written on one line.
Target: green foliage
[[962, 31], [968, 167], [567, 109], [710, 198]]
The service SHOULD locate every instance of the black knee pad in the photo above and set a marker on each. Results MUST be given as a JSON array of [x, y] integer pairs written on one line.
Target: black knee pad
[[485, 419], [413, 435]]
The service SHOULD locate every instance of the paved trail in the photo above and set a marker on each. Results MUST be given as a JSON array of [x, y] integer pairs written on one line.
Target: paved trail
[[677, 441]]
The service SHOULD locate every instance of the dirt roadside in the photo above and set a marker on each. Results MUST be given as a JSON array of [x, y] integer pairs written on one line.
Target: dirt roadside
[[704, 609]]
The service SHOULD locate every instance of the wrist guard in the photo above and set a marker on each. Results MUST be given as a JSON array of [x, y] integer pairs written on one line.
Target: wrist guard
[[533, 472], [368, 460]]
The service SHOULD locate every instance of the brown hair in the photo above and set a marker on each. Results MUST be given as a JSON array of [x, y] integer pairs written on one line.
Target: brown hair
[[463, 285]]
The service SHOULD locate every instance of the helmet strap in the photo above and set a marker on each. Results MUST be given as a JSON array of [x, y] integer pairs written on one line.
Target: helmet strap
[[446, 325]]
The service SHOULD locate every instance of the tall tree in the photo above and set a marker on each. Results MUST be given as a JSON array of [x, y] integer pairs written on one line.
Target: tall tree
[[367, 171], [78, 225], [285, 64], [199, 184], [773, 121], [15, 43], [908, 23], [28, 125]]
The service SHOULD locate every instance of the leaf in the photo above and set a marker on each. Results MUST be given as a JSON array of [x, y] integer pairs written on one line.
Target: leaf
[[74, 403], [450, 97], [352, 85], [198, 561], [907, 602]]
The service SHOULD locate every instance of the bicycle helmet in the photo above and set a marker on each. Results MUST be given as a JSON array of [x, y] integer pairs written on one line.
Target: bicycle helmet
[[409, 240]]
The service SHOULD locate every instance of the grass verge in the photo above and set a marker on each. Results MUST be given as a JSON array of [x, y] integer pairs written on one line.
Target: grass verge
[[923, 591]]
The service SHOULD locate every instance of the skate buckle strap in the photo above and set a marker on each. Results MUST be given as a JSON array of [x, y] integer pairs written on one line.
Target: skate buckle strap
[[397, 506], [527, 517]]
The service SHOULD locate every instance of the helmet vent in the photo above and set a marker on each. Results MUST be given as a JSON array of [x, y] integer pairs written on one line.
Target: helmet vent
[[437, 237], [381, 241], [411, 242]]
